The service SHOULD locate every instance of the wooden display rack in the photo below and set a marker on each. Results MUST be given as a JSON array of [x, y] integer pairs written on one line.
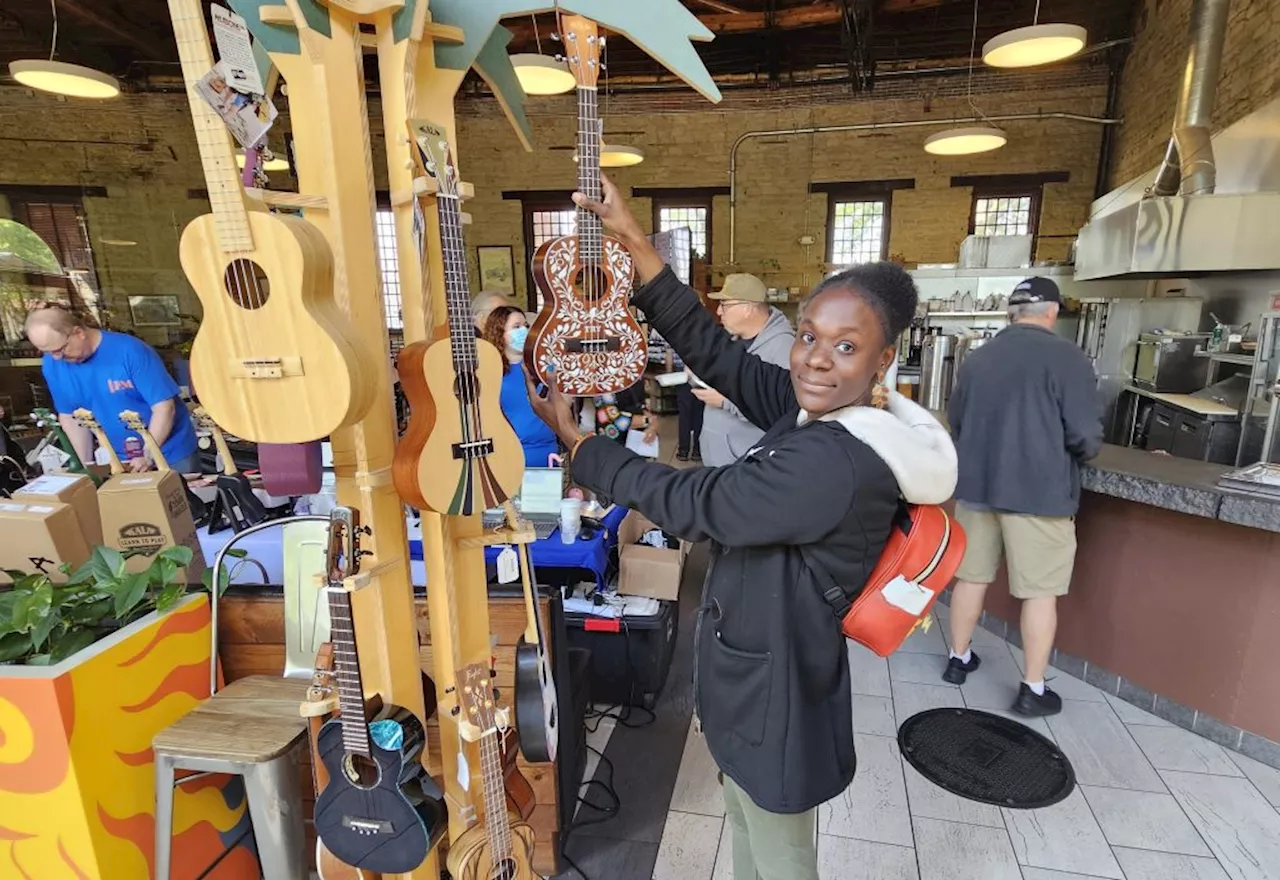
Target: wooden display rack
[[319, 49]]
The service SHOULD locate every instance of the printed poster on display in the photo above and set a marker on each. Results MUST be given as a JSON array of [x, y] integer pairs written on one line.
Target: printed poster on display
[[249, 117], [235, 48]]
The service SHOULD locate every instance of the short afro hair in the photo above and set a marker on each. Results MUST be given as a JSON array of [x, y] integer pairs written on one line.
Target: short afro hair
[[886, 287]]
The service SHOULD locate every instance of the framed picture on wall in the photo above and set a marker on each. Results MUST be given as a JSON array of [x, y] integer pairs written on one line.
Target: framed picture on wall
[[155, 311], [497, 268]]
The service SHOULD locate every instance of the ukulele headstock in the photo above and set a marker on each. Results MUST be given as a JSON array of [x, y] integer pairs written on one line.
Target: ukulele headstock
[[202, 419], [583, 46], [434, 156], [479, 714], [342, 555], [133, 421], [86, 419]]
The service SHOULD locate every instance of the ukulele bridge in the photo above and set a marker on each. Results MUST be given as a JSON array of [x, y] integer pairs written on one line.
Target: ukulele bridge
[[592, 346], [266, 368], [473, 449], [366, 827]]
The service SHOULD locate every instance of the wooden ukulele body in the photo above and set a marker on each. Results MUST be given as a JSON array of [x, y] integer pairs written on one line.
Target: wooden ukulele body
[[272, 361], [469, 857], [586, 328], [428, 471]]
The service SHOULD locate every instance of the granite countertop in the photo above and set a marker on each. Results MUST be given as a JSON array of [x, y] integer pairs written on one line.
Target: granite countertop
[[1177, 484]]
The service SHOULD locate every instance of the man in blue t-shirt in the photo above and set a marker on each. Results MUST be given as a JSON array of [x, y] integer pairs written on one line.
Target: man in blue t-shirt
[[108, 373]]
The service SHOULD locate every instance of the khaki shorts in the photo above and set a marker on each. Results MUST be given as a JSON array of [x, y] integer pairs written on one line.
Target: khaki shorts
[[1041, 551]]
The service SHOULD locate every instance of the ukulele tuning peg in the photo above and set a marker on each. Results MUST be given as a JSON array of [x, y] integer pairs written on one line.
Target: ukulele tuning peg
[[560, 58], [602, 39], [365, 530], [455, 711], [555, 38]]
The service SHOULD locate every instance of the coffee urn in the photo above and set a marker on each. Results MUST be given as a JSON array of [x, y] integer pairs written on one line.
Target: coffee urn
[[936, 367]]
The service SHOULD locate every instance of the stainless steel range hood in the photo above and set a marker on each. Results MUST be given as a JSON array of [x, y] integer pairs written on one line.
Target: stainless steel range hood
[[1212, 205], [1182, 236]]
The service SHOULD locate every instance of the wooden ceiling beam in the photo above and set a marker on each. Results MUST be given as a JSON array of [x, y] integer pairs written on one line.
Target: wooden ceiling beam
[[149, 44], [792, 19], [718, 6]]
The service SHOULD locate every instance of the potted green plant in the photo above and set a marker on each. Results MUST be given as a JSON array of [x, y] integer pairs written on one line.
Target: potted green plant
[[42, 622], [90, 671]]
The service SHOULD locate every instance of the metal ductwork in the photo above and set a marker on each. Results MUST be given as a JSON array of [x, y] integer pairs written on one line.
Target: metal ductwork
[[1188, 166], [1211, 209]]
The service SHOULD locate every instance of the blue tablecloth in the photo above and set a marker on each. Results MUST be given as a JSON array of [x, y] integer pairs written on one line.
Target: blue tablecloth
[[592, 555]]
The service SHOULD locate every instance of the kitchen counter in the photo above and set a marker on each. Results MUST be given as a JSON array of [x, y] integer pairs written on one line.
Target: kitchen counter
[[1178, 484]]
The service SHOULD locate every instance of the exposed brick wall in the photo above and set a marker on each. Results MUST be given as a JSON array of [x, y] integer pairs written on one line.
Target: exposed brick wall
[[691, 149], [141, 148], [1250, 76]]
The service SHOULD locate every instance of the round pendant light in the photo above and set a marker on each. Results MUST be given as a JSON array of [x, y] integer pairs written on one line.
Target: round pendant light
[[60, 78], [965, 141], [618, 156], [1037, 44], [542, 75], [275, 163]]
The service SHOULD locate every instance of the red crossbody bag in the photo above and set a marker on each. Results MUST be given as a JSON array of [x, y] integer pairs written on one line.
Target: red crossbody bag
[[923, 552]]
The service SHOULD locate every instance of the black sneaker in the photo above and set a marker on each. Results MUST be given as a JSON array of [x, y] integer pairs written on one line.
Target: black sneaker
[[1033, 705], [682, 455], [957, 670]]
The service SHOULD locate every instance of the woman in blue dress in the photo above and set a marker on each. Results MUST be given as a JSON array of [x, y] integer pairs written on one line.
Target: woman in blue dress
[[506, 328]]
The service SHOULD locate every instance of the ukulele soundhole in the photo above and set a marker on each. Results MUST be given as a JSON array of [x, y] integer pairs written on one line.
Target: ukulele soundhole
[[361, 771], [591, 283], [247, 284], [505, 870]]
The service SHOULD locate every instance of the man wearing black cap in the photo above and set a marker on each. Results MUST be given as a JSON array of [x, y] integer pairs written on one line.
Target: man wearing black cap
[[1025, 414]]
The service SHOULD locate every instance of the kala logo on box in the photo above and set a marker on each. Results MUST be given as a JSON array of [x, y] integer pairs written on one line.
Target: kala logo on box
[[142, 537]]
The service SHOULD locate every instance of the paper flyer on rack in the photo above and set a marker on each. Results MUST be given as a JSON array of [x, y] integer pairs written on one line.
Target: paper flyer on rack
[[235, 49], [249, 117]]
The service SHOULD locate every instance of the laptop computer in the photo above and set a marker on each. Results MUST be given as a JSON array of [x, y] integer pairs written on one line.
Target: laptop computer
[[538, 501]]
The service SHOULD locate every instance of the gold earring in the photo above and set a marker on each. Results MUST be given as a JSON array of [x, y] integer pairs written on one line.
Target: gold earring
[[880, 393]]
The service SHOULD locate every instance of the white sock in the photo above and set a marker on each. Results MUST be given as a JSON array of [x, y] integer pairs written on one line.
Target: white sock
[[965, 657], [1037, 687]]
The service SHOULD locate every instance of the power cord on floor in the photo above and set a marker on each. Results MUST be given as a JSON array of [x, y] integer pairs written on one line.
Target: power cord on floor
[[609, 811]]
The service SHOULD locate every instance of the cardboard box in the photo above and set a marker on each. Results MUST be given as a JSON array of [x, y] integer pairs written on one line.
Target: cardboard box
[[149, 512], [40, 536], [647, 571], [74, 489]]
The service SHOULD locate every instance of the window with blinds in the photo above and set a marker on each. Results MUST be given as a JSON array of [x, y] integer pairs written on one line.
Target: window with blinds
[[61, 225]]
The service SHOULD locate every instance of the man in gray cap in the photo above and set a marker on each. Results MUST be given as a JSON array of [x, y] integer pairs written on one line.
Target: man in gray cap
[[745, 312], [1025, 414]]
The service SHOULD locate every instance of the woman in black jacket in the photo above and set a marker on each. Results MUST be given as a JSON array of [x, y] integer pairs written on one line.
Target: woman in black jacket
[[809, 506]]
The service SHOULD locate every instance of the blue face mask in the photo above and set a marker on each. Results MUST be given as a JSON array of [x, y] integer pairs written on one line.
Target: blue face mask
[[516, 338]]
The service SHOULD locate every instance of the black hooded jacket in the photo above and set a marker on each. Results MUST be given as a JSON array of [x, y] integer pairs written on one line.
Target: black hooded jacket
[[771, 678]]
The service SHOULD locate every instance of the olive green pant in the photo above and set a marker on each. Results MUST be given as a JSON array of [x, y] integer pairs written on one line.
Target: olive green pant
[[770, 846]]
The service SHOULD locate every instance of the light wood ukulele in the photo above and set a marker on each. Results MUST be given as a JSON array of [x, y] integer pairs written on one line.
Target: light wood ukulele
[[497, 848], [459, 455], [586, 329], [274, 360], [86, 419], [236, 506]]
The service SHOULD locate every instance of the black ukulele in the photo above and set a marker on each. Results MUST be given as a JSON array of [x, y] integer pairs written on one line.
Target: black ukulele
[[374, 814]]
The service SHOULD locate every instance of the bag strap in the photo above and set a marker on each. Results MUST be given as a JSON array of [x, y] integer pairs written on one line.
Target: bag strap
[[836, 595]]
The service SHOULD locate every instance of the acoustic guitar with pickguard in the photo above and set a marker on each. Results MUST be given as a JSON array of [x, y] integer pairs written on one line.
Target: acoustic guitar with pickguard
[[586, 329], [374, 814], [459, 455], [274, 359]]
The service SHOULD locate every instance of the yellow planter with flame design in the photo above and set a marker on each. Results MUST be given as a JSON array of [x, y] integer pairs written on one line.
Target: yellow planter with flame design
[[77, 788]]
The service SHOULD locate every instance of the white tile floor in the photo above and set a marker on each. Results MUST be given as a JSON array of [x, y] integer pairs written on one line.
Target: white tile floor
[[1154, 802]]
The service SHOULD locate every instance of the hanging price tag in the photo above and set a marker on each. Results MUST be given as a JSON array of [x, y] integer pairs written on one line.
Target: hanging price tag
[[508, 566], [464, 772]]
